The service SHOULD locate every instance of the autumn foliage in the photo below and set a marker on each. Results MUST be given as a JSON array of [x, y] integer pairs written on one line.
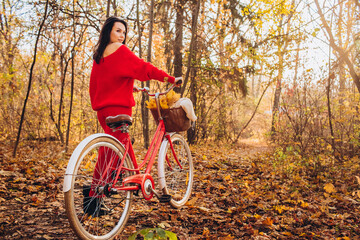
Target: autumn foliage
[[275, 86]]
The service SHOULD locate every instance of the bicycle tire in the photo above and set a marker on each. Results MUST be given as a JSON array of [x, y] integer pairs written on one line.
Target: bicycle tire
[[173, 180], [111, 212]]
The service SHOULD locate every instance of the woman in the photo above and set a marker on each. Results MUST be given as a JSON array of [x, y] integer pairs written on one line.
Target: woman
[[113, 73], [114, 69]]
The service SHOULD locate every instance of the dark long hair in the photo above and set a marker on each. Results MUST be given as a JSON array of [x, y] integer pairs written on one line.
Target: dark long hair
[[104, 38]]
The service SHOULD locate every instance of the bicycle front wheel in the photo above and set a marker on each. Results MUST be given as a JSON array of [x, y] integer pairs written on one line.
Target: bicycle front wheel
[[94, 211], [176, 177]]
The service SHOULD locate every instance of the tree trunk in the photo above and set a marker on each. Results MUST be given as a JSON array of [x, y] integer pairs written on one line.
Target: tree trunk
[[329, 113], [114, 7], [282, 46], [166, 10], [195, 13], [178, 38], [341, 66], [221, 129], [72, 80], [144, 97], [108, 8], [276, 105], [296, 66], [146, 112], [30, 78], [63, 77], [191, 133]]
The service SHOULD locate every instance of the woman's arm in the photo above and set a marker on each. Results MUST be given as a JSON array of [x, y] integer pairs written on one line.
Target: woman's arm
[[142, 70]]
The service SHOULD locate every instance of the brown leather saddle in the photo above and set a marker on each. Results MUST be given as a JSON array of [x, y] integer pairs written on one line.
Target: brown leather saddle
[[118, 120]]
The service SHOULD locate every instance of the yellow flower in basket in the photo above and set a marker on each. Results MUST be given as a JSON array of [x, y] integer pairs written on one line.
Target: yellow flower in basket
[[151, 104], [165, 101], [172, 97]]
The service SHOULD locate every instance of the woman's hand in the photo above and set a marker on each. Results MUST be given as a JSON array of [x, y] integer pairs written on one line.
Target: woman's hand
[[178, 81]]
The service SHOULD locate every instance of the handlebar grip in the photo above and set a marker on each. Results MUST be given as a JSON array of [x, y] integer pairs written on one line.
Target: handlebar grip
[[178, 81]]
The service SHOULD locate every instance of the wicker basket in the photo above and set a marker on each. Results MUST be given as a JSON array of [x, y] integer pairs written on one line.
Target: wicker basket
[[174, 118]]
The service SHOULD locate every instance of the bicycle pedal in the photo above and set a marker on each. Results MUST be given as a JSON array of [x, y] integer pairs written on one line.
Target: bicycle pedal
[[165, 198]]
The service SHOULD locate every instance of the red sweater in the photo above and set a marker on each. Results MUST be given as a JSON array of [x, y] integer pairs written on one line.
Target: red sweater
[[112, 80]]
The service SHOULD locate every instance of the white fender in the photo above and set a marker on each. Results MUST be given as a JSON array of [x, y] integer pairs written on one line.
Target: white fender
[[162, 152], [75, 155]]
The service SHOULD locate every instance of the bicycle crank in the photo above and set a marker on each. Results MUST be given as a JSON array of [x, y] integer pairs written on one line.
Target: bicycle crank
[[140, 181]]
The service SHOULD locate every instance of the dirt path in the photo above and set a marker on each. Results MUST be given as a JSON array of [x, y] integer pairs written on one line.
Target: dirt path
[[32, 202], [234, 197]]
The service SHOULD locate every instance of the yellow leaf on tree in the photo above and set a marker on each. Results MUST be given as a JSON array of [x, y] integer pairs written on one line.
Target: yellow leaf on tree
[[329, 188]]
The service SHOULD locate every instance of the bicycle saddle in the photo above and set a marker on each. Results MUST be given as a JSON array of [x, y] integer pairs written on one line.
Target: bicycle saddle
[[118, 120]]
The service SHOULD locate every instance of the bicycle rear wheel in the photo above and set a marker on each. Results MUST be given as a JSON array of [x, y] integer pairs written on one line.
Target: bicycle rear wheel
[[99, 213], [175, 180]]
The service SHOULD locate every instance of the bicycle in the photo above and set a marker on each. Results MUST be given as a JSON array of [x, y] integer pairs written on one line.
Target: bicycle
[[119, 179]]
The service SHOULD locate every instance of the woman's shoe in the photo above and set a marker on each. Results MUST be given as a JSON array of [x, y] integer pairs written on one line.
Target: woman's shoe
[[92, 205]]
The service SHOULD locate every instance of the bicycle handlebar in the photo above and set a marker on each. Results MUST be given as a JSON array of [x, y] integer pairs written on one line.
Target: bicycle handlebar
[[178, 82]]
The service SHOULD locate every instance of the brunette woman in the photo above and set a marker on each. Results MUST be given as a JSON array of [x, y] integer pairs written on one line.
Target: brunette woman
[[114, 70]]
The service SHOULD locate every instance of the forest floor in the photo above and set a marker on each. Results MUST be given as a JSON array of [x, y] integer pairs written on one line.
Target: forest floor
[[247, 191]]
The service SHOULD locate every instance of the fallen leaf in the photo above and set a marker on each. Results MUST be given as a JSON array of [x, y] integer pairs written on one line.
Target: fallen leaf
[[287, 233], [329, 188], [358, 179], [192, 201], [268, 221], [29, 171], [205, 231], [204, 209]]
